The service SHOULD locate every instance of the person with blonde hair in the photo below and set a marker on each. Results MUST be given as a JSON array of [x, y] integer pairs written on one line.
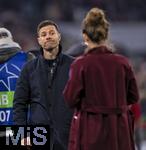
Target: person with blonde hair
[[101, 88]]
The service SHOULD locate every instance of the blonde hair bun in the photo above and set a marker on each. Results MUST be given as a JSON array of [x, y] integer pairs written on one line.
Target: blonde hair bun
[[95, 17], [95, 25]]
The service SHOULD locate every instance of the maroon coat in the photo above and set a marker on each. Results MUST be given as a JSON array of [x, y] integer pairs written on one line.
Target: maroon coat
[[100, 88]]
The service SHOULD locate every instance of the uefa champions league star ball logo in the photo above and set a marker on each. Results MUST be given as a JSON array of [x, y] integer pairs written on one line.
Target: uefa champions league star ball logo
[[8, 75]]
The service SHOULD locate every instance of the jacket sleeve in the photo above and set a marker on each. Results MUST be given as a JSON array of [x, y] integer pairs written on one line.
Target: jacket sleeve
[[21, 97], [74, 88], [133, 93]]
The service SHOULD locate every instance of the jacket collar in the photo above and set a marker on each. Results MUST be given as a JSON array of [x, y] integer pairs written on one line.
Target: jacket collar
[[7, 53], [59, 57], [99, 50]]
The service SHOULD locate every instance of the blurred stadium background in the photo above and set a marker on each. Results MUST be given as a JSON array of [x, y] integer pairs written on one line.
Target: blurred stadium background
[[127, 31]]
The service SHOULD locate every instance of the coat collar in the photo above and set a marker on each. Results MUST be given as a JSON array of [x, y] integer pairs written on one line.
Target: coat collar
[[99, 50], [59, 57]]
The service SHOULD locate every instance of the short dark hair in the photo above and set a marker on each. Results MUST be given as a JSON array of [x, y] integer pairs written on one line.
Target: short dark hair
[[46, 23]]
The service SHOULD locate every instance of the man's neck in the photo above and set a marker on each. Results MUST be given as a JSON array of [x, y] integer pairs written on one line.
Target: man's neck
[[51, 54]]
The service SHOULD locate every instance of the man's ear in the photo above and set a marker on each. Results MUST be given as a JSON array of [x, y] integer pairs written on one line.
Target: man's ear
[[59, 37], [39, 41]]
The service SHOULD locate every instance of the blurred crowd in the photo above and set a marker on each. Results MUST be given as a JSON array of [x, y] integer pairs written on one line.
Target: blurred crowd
[[139, 65], [22, 18], [140, 71]]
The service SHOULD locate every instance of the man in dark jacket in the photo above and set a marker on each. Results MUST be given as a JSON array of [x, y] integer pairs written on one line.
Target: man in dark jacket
[[40, 88]]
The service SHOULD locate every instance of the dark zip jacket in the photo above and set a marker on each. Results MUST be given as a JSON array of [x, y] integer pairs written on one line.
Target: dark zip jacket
[[47, 106]]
